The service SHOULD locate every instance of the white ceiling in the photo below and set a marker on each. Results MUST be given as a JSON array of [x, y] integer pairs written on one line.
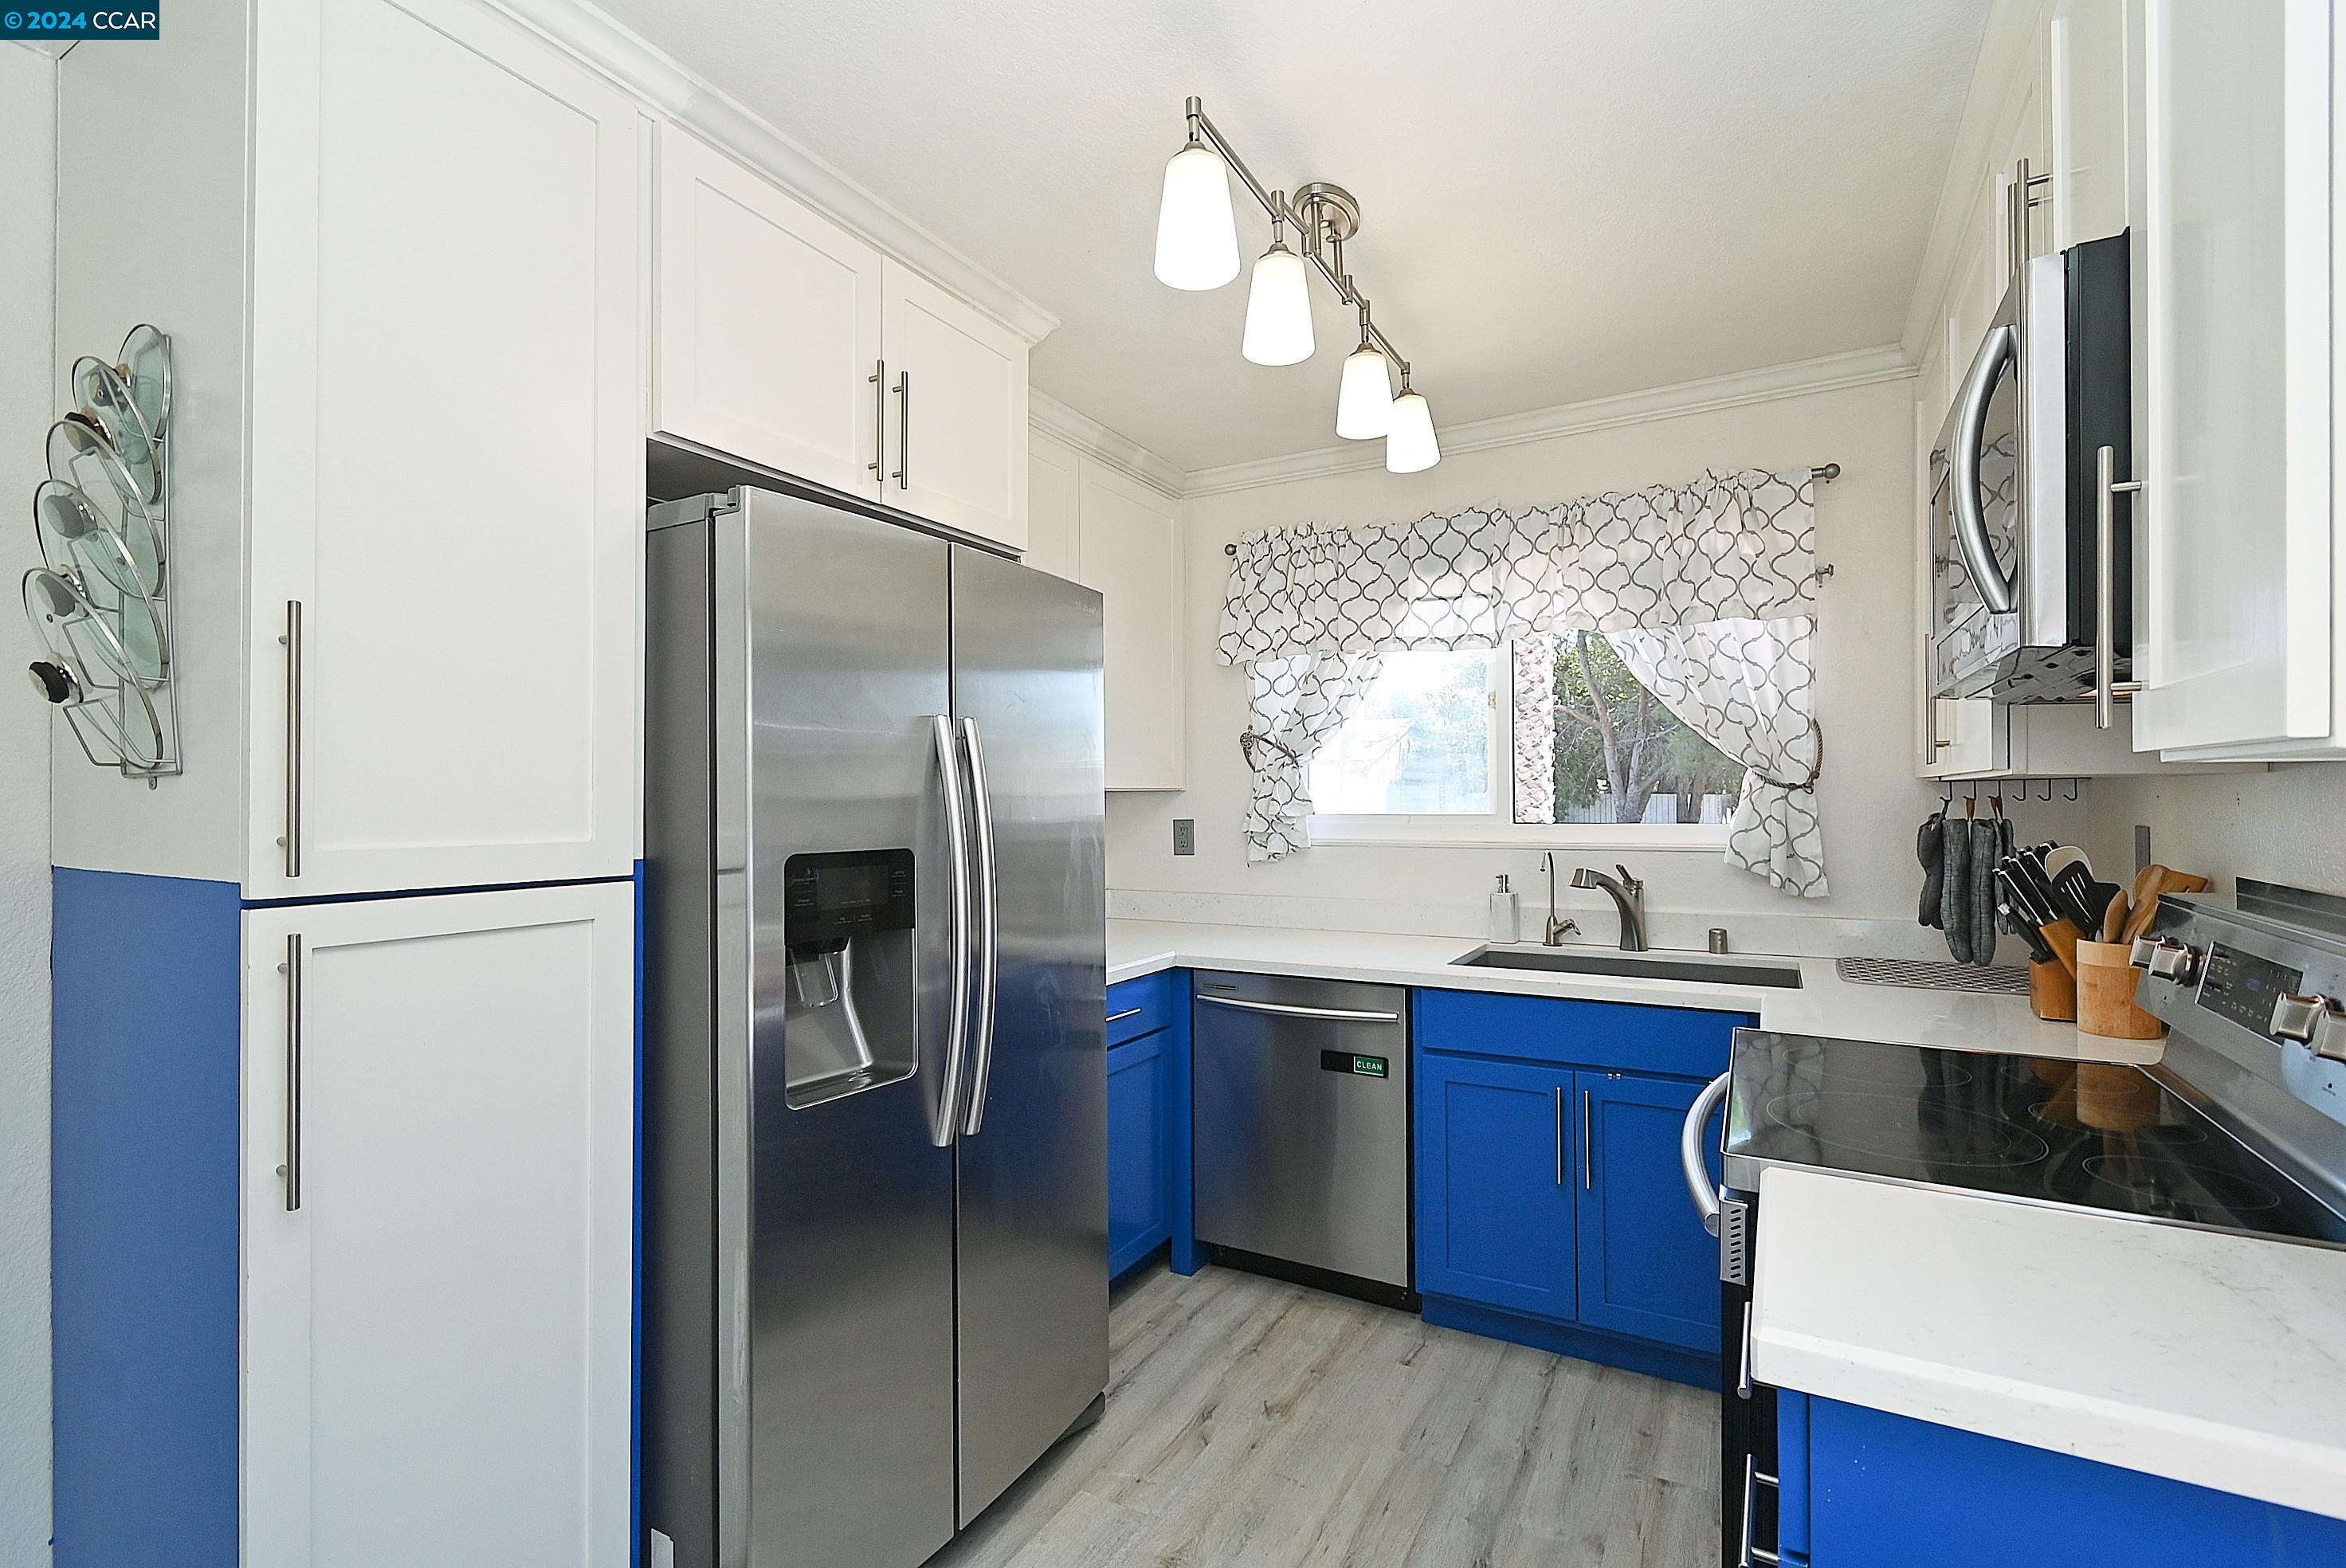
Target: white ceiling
[[1562, 199]]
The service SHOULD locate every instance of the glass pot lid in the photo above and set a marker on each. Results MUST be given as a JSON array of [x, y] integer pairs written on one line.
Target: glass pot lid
[[79, 643], [106, 402], [81, 457], [130, 563], [144, 363]]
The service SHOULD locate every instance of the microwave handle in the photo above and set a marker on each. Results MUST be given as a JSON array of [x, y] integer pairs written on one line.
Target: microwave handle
[[1971, 423]]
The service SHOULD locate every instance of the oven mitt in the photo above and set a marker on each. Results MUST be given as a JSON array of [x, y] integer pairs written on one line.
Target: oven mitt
[[1954, 889], [1987, 848], [1929, 849]]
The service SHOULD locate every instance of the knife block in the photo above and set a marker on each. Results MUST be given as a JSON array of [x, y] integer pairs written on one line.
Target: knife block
[[2106, 983], [2052, 991]]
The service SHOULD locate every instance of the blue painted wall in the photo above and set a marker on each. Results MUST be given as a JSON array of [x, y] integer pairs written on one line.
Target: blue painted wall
[[144, 1104]]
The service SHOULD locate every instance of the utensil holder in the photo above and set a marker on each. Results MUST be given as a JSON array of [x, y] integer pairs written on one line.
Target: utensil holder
[[2052, 991], [2105, 1004]]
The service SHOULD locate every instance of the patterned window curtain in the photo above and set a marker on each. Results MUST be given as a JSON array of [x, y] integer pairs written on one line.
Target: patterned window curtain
[[1305, 603], [1298, 703], [1749, 688]]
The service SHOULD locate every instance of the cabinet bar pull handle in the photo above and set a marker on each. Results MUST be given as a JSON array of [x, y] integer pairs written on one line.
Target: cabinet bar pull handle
[[879, 380], [1743, 1369], [903, 476], [1560, 1137], [1587, 1169], [292, 641], [2107, 488], [292, 1166], [1120, 1017]]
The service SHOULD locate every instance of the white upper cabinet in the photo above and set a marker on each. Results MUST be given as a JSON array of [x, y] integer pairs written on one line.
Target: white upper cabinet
[[437, 1341], [957, 387], [783, 340], [766, 322], [2237, 564], [447, 455], [1051, 479], [2086, 64], [1128, 547]]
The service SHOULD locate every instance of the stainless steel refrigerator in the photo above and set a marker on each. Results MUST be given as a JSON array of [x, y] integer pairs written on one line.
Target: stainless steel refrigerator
[[875, 1114]]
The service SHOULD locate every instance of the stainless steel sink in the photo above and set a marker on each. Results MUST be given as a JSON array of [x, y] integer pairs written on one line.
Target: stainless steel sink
[[1640, 966]]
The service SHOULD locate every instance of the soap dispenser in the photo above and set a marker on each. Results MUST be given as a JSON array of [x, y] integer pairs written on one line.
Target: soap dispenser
[[1506, 914]]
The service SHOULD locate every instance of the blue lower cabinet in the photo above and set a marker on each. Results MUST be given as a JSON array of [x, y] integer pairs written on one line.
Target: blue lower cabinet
[[1551, 1208], [1884, 1490], [1495, 1203], [1648, 1267], [1139, 1177], [1148, 1195]]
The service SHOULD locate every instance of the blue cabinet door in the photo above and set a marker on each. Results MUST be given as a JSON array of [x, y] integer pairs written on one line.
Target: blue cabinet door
[[1496, 1156], [1648, 1267], [1890, 1491], [1138, 1171]]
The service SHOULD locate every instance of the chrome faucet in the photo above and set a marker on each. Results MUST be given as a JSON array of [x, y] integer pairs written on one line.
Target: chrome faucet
[[1628, 897], [1556, 929]]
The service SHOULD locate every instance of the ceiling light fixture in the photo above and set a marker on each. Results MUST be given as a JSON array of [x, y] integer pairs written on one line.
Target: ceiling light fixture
[[1364, 396], [1197, 236], [1410, 444], [1196, 249], [1278, 305]]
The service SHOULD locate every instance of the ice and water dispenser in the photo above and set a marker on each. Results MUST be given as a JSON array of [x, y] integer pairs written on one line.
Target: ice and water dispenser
[[848, 930]]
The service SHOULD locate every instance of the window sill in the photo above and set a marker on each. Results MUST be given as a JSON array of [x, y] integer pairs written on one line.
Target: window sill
[[1432, 832]]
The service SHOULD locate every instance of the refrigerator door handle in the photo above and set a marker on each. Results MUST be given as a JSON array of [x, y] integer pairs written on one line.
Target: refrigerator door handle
[[956, 811], [987, 958]]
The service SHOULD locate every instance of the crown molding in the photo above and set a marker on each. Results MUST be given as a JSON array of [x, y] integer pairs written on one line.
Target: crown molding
[[1096, 441], [1834, 372], [677, 92], [1995, 97]]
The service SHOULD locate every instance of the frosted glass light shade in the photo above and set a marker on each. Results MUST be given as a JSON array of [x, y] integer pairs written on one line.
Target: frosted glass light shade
[[1278, 310], [1197, 236], [1364, 400], [1409, 442]]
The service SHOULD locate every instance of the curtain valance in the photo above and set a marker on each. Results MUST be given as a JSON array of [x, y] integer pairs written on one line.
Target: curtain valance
[[1729, 546]]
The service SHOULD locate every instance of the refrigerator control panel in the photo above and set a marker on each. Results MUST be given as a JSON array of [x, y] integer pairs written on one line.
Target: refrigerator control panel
[[832, 896]]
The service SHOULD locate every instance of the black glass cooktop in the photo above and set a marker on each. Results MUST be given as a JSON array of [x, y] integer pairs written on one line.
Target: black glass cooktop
[[2099, 1135]]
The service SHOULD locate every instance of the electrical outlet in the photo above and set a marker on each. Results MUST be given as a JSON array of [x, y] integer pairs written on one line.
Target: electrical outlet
[[1185, 835], [2141, 845]]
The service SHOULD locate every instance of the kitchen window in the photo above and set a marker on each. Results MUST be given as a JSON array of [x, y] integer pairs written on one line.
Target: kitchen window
[[1550, 740]]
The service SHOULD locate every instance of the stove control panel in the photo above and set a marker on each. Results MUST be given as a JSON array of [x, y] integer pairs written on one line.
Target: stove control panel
[[2244, 988]]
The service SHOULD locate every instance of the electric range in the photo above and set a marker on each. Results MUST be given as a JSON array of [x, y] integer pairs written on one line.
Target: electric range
[[2240, 1126]]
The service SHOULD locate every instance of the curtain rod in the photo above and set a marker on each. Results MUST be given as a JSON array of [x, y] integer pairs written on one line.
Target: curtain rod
[[1823, 473]]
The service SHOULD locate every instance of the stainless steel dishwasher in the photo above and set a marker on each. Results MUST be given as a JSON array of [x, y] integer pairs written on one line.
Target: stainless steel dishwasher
[[1301, 1135]]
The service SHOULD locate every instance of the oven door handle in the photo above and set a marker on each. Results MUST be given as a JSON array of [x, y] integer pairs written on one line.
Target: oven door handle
[[1997, 591], [1698, 1170]]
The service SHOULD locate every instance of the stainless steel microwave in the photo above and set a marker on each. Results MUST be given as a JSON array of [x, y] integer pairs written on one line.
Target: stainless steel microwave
[[2031, 543]]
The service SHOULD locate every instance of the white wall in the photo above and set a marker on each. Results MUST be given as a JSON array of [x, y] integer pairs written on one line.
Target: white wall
[[27, 234], [2285, 826], [1871, 801]]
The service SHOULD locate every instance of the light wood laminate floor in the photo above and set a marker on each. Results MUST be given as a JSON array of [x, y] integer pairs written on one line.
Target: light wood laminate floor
[[1256, 1423]]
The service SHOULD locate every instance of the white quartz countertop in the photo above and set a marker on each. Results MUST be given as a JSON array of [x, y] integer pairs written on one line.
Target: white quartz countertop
[[1825, 1005], [2202, 1356]]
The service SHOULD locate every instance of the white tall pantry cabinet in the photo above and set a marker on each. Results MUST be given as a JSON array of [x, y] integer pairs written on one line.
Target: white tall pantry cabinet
[[345, 1185], [1098, 526]]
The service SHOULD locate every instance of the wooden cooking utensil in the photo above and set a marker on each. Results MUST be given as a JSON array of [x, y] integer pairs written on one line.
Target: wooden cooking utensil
[[2114, 918], [2062, 936]]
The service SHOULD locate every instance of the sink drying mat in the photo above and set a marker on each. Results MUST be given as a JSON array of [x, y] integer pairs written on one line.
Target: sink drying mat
[[2002, 980]]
